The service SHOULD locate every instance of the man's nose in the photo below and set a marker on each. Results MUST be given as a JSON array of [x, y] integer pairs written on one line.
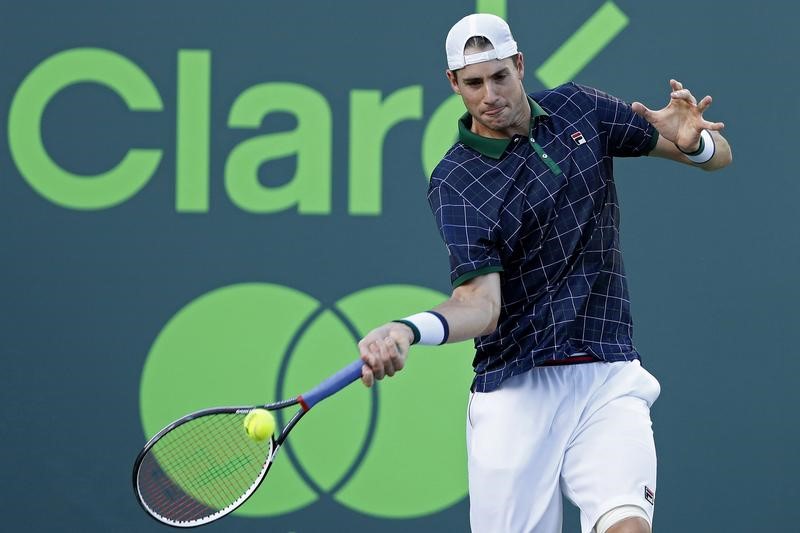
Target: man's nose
[[491, 94]]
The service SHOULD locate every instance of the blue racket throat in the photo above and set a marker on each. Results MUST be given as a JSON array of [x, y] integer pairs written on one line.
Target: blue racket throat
[[332, 385]]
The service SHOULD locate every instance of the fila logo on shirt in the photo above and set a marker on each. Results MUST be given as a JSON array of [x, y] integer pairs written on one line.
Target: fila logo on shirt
[[578, 138], [649, 495]]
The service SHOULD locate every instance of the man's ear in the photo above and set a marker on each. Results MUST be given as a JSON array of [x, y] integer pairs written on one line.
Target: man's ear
[[520, 63], [453, 79]]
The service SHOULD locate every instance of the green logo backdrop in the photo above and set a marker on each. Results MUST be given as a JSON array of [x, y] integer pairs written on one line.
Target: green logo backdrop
[[208, 203], [254, 343]]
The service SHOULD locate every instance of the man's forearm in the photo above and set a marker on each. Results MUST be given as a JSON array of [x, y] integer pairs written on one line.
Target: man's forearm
[[468, 320], [473, 308]]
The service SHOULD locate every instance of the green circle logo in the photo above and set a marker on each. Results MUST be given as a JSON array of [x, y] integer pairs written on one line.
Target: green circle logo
[[255, 343]]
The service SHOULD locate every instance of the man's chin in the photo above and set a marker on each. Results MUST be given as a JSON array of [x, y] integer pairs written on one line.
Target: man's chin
[[496, 123]]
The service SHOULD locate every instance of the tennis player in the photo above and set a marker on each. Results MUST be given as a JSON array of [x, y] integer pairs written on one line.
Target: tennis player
[[526, 204]]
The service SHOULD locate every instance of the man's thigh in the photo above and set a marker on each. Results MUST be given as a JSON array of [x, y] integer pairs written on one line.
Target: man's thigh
[[514, 456], [611, 460]]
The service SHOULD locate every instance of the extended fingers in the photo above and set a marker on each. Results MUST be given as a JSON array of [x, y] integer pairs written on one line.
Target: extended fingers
[[683, 94], [715, 126], [704, 104]]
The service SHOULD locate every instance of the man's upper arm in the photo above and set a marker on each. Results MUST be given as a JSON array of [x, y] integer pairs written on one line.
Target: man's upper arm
[[473, 308], [486, 286], [629, 135], [468, 233]]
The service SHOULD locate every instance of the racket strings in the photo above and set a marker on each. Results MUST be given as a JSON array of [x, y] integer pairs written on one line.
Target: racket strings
[[201, 467]]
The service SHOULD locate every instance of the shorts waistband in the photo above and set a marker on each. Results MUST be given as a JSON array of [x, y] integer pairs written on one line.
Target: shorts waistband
[[574, 359]]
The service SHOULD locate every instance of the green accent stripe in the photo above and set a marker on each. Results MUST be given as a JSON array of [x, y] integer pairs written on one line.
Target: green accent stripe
[[489, 147], [583, 46], [546, 159], [463, 278]]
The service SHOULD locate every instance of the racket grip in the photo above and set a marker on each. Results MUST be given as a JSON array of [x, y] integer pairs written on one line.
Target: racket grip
[[333, 384]]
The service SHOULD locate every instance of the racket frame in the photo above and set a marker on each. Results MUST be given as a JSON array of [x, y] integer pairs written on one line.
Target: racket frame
[[306, 401]]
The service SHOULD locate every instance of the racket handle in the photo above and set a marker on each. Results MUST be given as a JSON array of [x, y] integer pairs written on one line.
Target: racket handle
[[333, 384]]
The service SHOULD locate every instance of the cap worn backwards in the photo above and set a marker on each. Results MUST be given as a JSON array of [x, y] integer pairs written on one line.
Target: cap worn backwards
[[491, 27]]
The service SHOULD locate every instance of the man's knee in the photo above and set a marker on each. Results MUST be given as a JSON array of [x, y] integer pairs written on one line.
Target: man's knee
[[630, 525], [625, 519]]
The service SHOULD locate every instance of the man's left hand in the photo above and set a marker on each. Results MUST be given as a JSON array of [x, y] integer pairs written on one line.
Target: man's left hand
[[681, 120]]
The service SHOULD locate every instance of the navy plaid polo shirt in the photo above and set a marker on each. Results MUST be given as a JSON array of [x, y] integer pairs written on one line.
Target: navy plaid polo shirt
[[543, 211]]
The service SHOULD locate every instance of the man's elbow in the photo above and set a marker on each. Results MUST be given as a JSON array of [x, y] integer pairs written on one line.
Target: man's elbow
[[720, 161], [727, 159], [723, 155]]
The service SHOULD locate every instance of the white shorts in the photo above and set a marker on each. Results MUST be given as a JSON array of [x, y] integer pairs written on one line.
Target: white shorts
[[582, 430]]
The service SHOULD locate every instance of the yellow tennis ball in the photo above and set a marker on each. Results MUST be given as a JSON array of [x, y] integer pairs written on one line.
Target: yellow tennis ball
[[259, 424]]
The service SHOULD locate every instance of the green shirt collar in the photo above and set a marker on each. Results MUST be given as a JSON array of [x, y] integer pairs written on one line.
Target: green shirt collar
[[493, 148]]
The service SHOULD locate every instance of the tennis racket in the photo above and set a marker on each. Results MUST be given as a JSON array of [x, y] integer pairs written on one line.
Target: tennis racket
[[203, 466]]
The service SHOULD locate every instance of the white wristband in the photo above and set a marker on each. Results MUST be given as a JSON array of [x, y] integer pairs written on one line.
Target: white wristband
[[429, 327], [705, 152]]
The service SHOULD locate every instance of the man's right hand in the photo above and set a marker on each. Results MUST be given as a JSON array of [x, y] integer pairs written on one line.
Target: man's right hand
[[384, 351]]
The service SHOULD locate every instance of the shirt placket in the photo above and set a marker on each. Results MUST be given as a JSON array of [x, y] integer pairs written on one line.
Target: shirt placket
[[543, 156]]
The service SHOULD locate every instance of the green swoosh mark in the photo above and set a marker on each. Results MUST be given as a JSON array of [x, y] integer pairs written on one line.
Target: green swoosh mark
[[495, 7], [583, 46]]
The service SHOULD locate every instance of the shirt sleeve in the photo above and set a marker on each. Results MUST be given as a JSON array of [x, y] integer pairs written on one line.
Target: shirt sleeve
[[467, 234], [628, 134]]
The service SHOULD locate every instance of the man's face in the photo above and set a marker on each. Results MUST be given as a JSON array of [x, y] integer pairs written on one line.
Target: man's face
[[493, 94]]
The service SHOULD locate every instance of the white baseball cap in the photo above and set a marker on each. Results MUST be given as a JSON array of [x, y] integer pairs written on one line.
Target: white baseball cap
[[492, 27]]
